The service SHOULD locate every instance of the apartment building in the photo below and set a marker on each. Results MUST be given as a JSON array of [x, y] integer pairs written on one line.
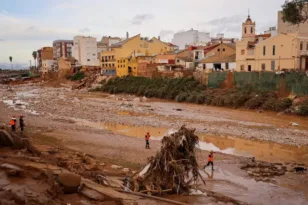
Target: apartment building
[[85, 51]]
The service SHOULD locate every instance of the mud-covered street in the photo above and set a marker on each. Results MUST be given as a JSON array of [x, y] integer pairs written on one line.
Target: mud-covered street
[[112, 128]]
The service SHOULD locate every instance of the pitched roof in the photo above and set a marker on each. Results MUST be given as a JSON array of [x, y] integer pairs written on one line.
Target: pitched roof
[[121, 43], [185, 55], [219, 59]]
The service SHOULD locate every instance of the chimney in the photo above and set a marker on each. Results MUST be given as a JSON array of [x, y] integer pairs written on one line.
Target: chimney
[[127, 35], [158, 37]]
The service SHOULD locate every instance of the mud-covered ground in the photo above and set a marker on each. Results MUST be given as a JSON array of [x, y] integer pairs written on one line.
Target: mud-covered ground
[[112, 128]]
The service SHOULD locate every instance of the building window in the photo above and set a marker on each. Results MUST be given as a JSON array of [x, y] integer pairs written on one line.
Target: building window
[[118, 61], [263, 67], [242, 67], [177, 61], [264, 50], [204, 66], [242, 52], [112, 65], [301, 46], [245, 30], [249, 68], [88, 60], [93, 54], [274, 50], [251, 30], [223, 49], [134, 68], [273, 65], [227, 66]]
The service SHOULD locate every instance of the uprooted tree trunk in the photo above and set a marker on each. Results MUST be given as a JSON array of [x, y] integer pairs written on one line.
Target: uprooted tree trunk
[[174, 167]]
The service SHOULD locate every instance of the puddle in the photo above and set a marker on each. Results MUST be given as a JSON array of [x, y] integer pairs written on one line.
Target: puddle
[[250, 191], [265, 151]]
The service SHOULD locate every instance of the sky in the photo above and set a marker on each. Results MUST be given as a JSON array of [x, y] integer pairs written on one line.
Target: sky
[[26, 26]]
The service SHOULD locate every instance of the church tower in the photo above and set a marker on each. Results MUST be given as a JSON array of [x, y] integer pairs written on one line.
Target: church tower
[[249, 30]]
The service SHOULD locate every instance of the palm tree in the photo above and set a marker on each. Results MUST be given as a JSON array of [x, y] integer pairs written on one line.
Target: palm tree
[[11, 59], [34, 54]]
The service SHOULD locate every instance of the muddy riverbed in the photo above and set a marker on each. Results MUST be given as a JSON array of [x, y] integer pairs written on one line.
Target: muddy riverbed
[[113, 127]]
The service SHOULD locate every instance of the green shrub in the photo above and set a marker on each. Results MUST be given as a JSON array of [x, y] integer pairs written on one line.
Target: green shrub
[[283, 104], [181, 97], [192, 98], [255, 102], [78, 76], [201, 99], [303, 109], [269, 104]]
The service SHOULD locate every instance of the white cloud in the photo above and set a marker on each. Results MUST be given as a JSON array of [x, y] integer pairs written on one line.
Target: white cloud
[[67, 18]]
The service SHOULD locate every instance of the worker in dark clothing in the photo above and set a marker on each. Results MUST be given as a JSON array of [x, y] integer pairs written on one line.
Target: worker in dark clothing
[[147, 140], [210, 161], [21, 123], [13, 124]]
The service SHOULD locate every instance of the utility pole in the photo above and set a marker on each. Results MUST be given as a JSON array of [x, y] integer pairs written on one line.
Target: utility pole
[[30, 64]]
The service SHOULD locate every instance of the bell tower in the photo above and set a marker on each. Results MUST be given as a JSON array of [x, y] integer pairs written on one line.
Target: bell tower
[[248, 29]]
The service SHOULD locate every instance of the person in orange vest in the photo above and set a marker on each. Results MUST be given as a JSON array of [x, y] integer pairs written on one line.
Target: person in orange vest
[[210, 160], [147, 140], [13, 124]]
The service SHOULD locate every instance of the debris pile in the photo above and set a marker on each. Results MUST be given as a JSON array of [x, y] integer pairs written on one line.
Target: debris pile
[[263, 171], [174, 167]]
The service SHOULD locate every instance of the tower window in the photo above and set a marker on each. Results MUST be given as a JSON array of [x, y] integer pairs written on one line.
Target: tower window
[[274, 50], [301, 46], [245, 30], [251, 30], [264, 50]]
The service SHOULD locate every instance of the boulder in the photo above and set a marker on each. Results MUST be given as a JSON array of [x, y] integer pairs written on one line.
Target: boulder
[[12, 170], [116, 167], [69, 181], [6, 139]]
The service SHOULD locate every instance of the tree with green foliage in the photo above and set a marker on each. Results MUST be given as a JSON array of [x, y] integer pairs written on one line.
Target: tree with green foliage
[[295, 11], [11, 59], [34, 55]]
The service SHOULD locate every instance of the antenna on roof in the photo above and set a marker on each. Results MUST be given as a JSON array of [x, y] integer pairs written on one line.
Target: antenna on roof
[[248, 12]]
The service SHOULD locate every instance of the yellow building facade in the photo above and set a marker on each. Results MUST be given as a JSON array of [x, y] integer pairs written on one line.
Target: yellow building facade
[[276, 53], [122, 53]]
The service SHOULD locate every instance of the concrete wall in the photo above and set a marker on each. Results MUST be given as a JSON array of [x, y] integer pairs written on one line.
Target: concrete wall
[[47, 65]]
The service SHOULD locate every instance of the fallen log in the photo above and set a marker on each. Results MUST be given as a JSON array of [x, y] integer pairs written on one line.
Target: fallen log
[[150, 197]]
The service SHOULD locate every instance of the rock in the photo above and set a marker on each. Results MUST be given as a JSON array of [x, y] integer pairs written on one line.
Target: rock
[[92, 194], [116, 167], [125, 170], [294, 124], [266, 180], [136, 99], [144, 99], [250, 173], [12, 170], [266, 170], [134, 172], [69, 181], [6, 139]]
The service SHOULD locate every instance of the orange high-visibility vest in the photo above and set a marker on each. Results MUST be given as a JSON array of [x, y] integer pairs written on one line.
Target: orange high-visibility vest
[[12, 122], [211, 158], [147, 137]]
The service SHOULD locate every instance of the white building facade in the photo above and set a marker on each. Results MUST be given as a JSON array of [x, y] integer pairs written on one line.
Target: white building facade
[[47, 66], [192, 36], [85, 51]]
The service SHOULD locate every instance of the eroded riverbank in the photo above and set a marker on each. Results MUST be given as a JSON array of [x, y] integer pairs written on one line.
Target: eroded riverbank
[[114, 127]]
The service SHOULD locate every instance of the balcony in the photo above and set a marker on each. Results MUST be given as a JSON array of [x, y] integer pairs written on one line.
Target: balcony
[[303, 53]]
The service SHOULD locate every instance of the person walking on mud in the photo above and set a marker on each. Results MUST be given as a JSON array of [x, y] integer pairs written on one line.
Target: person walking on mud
[[147, 140], [13, 124], [210, 160], [21, 123]]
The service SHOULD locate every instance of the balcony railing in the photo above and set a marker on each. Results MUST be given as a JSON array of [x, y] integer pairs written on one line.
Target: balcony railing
[[303, 53]]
